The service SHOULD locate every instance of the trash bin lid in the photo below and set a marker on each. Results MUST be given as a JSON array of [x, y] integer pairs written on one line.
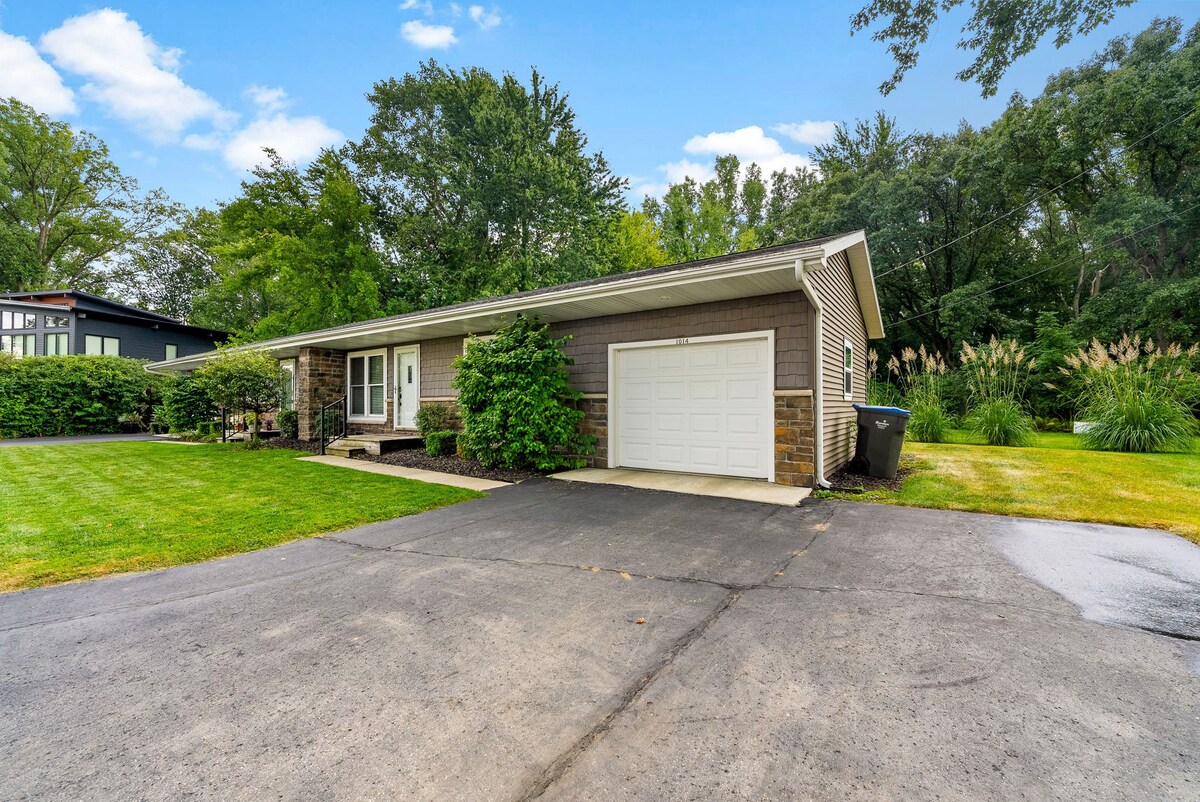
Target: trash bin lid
[[885, 410]]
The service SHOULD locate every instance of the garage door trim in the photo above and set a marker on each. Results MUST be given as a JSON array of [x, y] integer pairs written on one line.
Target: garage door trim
[[769, 407]]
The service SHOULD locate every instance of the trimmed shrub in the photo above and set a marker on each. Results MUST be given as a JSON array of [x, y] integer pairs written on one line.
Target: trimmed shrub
[[1136, 396], [441, 444], [433, 418], [1002, 422], [185, 404], [517, 406], [45, 396], [289, 423]]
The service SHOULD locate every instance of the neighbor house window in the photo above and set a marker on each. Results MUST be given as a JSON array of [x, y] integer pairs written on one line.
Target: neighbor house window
[[57, 322], [56, 345], [18, 345], [94, 345], [17, 320], [172, 351], [368, 384], [847, 370]]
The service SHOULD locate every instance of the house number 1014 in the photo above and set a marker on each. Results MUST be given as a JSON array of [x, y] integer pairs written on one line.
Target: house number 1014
[[681, 340]]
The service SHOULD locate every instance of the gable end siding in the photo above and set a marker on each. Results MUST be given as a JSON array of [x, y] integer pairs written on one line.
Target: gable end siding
[[843, 319]]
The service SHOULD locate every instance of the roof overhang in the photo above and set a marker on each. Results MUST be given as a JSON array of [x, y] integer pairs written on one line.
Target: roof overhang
[[855, 246], [35, 305], [753, 275]]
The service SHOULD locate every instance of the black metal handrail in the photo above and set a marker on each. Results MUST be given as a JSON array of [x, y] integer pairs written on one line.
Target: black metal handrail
[[332, 422]]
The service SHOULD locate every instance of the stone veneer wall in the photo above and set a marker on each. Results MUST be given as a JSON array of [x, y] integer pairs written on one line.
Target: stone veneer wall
[[595, 422], [794, 438], [320, 379]]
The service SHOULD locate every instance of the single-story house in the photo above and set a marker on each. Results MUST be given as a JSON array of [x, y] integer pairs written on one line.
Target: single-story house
[[743, 365], [64, 322]]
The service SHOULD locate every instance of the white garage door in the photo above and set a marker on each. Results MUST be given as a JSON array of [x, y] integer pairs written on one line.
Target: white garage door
[[703, 405]]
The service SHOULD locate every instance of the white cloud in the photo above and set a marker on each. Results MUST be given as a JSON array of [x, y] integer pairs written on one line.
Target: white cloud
[[202, 141], [27, 77], [426, 36], [268, 98], [486, 20], [809, 132], [296, 139], [131, 75], [749, 144], [417, 5]]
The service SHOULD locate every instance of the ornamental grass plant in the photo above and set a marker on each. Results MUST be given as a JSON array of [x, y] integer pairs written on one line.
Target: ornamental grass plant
[[1137, 396], [997, 380]]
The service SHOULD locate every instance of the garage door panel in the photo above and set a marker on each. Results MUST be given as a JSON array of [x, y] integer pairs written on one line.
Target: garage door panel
[[699, 408], [743, 389]]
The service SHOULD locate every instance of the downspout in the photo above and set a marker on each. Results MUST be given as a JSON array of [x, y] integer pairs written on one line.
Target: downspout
[[819, 380]]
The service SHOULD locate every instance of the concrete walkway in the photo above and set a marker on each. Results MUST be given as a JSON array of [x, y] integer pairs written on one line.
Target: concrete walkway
[[434, 477], [694, 484]]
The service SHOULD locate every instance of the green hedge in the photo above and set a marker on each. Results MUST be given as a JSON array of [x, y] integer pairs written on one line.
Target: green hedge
[[44, 396], [441, 444]]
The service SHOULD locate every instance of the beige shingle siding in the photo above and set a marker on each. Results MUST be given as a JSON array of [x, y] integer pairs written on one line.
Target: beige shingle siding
[[437, 371], [843, 319]]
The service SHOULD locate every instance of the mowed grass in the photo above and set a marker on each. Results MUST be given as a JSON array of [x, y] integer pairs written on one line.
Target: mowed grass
[[78, 511], [1056, 478]]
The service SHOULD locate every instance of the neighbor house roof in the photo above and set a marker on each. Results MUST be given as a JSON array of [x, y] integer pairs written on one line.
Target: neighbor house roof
[[87, 304], [745, 274]]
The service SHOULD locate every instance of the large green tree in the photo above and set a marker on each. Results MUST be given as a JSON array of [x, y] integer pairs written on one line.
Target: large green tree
[[482, 186], [66, 209], [296, 251]]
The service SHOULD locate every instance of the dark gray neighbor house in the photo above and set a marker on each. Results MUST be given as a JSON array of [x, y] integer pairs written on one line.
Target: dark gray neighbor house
[[62, 322]]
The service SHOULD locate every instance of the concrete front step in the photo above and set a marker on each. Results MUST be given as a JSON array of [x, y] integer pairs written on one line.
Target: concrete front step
[[339, 450], [375, 444]]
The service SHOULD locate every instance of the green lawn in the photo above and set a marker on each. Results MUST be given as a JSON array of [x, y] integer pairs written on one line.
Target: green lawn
[[80, 511], [1055, 478]]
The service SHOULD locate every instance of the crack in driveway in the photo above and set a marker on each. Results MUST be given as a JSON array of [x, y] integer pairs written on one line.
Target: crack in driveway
[[562, 764]]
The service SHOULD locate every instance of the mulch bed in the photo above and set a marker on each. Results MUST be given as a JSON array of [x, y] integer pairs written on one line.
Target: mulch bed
[[312, 447], [843, 479], [417, 458]]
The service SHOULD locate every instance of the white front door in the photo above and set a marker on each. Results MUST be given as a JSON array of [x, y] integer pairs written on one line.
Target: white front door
[[698, 405], [408, 386]]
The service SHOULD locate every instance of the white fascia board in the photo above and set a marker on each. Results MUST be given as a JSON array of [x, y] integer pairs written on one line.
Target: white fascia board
[[509, 305], [859, 257]]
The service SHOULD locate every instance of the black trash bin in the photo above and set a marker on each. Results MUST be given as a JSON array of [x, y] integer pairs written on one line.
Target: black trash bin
[[880, 436]]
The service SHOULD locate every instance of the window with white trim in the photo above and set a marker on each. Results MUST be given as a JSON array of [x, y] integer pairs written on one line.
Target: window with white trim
[[367, 384], [288, 366], [170, 351], [847, 370], [95, 345], [479, 338]]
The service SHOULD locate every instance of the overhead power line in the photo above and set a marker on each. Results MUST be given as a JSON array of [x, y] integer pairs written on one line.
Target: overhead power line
[[1027, 204], [1037, 273]]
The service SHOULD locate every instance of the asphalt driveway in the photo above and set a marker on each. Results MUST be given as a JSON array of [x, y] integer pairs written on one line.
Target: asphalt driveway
[[493, 650]]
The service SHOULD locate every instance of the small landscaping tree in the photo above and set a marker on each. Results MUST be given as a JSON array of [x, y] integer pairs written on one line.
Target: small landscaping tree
[[997, 377], [517, 406], [246, 380], [1136, 396]]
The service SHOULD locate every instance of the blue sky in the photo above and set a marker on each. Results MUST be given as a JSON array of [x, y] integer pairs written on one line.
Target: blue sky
[[186, 94]]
